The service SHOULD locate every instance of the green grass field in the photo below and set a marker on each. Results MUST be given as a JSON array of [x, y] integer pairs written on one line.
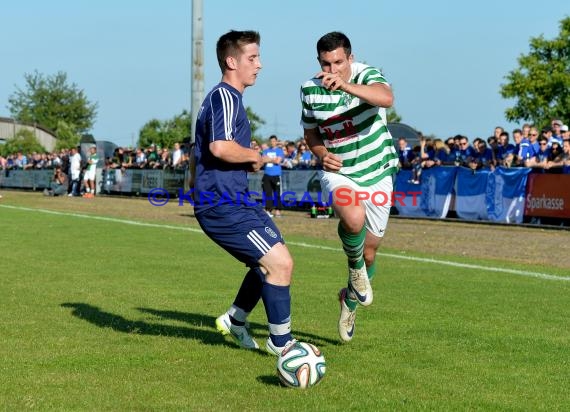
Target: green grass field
[[97, 314]]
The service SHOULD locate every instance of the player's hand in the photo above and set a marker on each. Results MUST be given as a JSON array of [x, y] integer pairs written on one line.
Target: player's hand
[[331, 162], [257, 165], [331, 81]]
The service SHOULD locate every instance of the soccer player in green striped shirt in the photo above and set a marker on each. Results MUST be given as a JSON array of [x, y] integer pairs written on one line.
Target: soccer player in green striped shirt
[[91, 172], [344, 121]]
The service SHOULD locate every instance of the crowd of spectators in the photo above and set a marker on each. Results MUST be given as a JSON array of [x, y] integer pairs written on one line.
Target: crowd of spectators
[[545, 151], [153, 157], [297, 154], [64, 164]]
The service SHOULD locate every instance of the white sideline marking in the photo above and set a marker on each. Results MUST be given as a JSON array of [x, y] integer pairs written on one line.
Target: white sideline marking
[[308, 245]]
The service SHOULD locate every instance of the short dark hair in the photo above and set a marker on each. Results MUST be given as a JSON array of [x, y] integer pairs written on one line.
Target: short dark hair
[[230, 44], [332, 41]]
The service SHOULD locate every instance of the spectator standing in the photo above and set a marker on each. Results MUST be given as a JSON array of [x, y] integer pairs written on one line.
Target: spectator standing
[[556, 127], [290, 160], [483, 156], [91, 172], [140, 159], [517, 137], [529, 148], [75, 171], [176, 156], [565, 132], [563, 160], [526, 131], [405, 154], [466, 152], [304, 157], [151, 157], [542, 155], [271, 181], [441, 152], [505, 150]]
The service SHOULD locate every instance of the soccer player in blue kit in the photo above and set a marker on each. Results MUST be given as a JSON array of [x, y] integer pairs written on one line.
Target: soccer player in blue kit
[[222, 158]]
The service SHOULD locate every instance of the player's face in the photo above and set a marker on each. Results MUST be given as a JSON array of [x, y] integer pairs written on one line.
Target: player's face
[[336, 62], [249, 64]]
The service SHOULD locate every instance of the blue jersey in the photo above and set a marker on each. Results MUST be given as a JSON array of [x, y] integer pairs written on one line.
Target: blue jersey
[[504, 151], [273, 169], [221, 117], [527, 149], [485, 157], [405, 156]]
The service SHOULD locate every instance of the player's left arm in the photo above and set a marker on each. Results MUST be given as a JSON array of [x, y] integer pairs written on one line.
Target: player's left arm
[[375, 93]]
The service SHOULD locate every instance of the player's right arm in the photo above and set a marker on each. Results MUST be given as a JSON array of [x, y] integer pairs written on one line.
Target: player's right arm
[[330, 161], [231, 152]]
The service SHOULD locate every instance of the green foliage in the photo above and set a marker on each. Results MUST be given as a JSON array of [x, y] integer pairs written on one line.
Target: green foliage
[[24, 141], [392, 115], [66, 136], [541, 84], [49, 100], [255, 122], [165, 133]]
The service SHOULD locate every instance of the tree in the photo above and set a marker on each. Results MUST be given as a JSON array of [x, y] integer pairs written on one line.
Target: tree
[[255, 123], [24, 141], [165, 133], [66, 136], [392, 115], [541, 85], [48, 101]]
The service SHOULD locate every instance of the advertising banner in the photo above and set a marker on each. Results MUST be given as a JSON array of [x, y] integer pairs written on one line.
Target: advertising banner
[[548, 195]]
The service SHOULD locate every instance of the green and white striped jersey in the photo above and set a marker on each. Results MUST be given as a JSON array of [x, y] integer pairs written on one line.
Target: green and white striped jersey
[[351, 128], [94, 160]]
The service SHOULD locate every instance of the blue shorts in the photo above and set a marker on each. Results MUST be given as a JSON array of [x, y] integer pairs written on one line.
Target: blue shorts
[[247, 233]]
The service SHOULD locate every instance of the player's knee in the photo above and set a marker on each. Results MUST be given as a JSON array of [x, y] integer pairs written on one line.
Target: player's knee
[[353, 222], [285, 267], [280, 274], [353, 226]]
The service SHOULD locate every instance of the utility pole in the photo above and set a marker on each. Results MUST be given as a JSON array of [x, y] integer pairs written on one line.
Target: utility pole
[[197, 62]]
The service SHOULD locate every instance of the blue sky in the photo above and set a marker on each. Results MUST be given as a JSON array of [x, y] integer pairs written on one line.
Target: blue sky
[[445, 59]]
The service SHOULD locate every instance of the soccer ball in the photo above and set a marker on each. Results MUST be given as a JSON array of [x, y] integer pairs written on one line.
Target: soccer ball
[[301, 365]]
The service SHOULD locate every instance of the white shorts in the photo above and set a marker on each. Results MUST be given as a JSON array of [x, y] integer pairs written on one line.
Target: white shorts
[[377, 205], [89, 174]]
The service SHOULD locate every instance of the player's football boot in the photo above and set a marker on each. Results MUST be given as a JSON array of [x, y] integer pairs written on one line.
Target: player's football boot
[[239, 333], [346, 319], [359, 284], [277, 350]]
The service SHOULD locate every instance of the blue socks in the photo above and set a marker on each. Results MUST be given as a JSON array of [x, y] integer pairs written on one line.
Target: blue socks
[[248, 295], [277, 301]]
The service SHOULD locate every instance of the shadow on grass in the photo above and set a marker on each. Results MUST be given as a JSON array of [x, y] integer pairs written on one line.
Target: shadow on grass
[[97, 317], [270, 380], [190, 215], [210, 336], [259, 329]]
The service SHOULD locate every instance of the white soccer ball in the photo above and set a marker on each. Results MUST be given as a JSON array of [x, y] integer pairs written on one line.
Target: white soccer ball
[[301, 365]]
